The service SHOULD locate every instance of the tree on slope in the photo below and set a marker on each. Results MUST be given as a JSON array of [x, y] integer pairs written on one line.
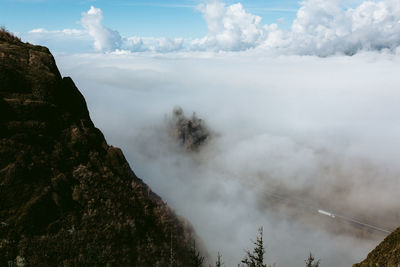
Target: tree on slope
[[255, 258], [197, 259]]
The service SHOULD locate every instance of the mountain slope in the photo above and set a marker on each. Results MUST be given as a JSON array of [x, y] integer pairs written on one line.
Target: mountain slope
[[386, 254], [66, 197]]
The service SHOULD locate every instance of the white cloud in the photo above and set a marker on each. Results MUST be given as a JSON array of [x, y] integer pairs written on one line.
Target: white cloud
[[168, 44], [134, 44], [321, 27], [71, 40], [104, 38], [323, 132], [150, 44], [73, 32], [109, 40], [40, 30], [230, 28]]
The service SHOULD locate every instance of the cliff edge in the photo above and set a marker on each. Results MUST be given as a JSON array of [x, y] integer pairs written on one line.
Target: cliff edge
[[67, 198]]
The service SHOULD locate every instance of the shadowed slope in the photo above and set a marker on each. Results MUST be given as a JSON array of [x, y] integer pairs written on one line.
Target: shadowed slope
[[67, 197]]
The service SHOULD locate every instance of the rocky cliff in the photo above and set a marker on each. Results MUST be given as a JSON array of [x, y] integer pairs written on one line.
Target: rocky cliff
[[67, 198], [386, 254]]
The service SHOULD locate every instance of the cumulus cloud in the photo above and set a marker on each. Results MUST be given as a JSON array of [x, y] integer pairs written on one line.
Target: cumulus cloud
[[321, 27], [151, 44], [104, 38], [230, 27], [110, 40], [325, 28], [93, 35]]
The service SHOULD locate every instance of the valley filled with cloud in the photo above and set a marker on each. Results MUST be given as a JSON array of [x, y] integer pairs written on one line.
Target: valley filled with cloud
[[290, 135], [302, 120]]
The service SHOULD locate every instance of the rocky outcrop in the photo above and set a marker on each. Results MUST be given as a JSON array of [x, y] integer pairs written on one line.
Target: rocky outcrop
[[67, 198], [190, 132], [386, 254]]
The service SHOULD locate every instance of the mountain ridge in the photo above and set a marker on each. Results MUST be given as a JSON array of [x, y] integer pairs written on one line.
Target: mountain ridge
[[67, 198]]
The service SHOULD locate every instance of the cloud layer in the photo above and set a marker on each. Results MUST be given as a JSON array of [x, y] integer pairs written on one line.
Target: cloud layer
[[321, 27], [293, 134]]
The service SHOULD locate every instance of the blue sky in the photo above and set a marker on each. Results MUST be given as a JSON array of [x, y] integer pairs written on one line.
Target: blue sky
[[323, 27], [157, 18]]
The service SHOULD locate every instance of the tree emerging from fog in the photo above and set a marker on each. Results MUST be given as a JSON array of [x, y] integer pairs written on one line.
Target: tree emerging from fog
[[255, 258], [310, 261], [190, 132]]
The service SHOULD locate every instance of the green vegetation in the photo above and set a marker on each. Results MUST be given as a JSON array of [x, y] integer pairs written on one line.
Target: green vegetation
[[255, 258], [197, 259]]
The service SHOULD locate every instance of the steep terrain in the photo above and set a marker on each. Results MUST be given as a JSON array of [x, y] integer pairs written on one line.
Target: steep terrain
[[66, 197], [386, 254]]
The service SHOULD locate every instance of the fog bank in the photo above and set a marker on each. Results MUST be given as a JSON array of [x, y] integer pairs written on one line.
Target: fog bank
[[293, 134]]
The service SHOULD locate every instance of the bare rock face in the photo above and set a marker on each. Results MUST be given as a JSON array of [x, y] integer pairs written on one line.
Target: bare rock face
[[67, 198], [386, 254]]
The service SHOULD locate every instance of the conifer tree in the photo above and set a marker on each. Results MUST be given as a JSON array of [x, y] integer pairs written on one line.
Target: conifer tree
[[310, 262], [197, 259], [219, 262], [255, 258]]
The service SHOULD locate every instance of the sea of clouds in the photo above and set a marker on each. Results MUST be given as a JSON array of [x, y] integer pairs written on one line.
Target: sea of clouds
[[291, 135], [302, 119]]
